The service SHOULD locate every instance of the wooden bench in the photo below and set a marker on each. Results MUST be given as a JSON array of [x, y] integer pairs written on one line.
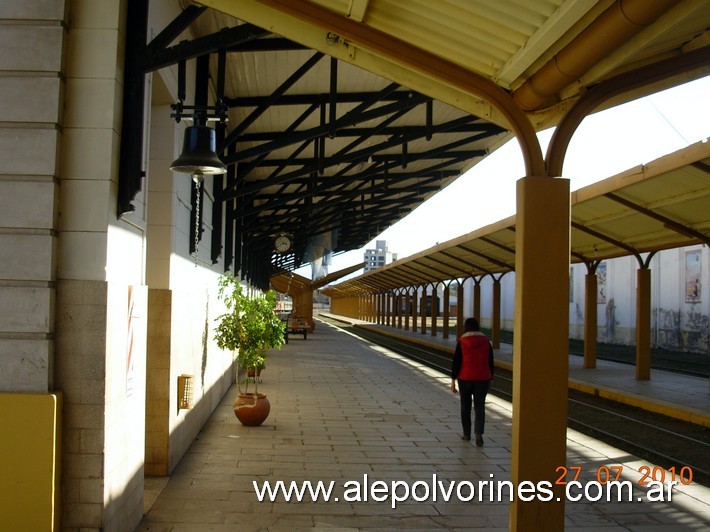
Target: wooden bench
[[296, 325]]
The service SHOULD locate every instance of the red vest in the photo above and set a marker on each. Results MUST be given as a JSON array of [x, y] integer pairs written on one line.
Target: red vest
[[475, 350]]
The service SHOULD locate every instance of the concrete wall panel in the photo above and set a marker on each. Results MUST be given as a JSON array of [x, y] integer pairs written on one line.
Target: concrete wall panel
[[27, 204], [40, 95], [26, 257], [31, 48], [28, 151], [26, 365], [33, 10], [26, 309]]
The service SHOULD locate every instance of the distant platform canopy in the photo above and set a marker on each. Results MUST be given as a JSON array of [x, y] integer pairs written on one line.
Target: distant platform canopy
[[657, 206]]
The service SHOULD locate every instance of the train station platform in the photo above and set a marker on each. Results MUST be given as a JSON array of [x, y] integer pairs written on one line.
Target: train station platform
[[354, 414], [676, 395]]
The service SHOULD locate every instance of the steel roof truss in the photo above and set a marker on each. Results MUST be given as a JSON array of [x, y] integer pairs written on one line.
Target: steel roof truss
[[633, 251], [667, 222], [449, 268], [488, 258], [256, 113], [472, 265]]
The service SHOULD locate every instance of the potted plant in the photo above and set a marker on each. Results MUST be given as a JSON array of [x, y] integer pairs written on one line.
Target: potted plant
[[249, 327]]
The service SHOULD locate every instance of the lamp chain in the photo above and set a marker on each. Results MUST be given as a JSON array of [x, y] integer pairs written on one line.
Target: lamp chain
[[197, 220]]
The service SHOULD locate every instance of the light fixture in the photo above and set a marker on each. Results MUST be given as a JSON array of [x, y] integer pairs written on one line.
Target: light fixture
[[199, 149]]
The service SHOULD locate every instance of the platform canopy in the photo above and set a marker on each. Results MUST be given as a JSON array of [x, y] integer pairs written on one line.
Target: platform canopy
[[661, 205], [345, 115]]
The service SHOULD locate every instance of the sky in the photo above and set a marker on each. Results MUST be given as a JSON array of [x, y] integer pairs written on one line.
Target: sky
[[605, 144]]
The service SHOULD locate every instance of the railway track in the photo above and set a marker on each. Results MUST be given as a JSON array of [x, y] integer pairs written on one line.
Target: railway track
[[661, 440]]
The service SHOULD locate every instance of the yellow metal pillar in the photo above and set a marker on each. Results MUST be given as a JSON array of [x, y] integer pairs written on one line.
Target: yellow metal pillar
[[540, 359], [477, 300], [590, 320], [447, 311], [392, 309], [643, 324], [423, 310], [398, 309], [414, 311], [388, 309], [407, 307], [459, 310], [495, 328], [434, 311], [385, 309]]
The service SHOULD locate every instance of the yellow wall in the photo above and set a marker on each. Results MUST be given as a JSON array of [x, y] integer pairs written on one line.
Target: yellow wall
[[29, 493]]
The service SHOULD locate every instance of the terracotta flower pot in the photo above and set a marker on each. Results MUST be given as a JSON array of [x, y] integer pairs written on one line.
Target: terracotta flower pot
[[251, 409]]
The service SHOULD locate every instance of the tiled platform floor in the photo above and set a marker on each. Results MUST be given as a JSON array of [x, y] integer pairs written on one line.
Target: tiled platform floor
[[342, 409]]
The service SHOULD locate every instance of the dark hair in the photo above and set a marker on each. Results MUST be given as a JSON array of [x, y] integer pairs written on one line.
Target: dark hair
[[471, 324]]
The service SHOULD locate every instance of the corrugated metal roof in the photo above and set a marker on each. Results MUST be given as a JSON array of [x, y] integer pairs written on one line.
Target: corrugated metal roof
[[665, 205], [458, 53]]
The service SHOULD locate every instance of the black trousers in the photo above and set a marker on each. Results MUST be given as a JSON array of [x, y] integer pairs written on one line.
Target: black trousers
[[476, 390]]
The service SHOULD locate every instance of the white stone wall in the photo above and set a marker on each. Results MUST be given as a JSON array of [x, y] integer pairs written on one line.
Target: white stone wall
[[102, 302], [32, 39], [676, 323], [183, 293]]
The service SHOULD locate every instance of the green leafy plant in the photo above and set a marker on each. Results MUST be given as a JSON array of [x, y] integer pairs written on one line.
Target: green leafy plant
[[249, 327]]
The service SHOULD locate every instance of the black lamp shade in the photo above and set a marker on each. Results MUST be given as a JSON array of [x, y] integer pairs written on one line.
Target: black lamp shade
[[199, 153]]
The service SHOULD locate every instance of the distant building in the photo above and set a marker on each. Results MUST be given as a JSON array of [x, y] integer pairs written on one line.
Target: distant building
[[378, 257]]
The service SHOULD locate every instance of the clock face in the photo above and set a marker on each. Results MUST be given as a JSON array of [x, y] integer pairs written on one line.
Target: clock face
[[282, 243]]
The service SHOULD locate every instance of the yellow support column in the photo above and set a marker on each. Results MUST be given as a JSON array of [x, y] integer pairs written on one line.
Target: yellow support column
[[477, 300], [590, 321], [388, 309], [398, 309], [30, 446], [540, 359], [380, 309], [459, 310], [447, 311], [434, 311], [643, 324], [495, 327], [407, 309], [422, 310], [415, 315]]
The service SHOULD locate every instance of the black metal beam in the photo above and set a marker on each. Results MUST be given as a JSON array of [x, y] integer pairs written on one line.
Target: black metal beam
[[326, 190], [416, 131], [131, 173], [351, 118], [458, 155], [161, 58], [310, 99], [361, 155], [292, 79], [173, 30]]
